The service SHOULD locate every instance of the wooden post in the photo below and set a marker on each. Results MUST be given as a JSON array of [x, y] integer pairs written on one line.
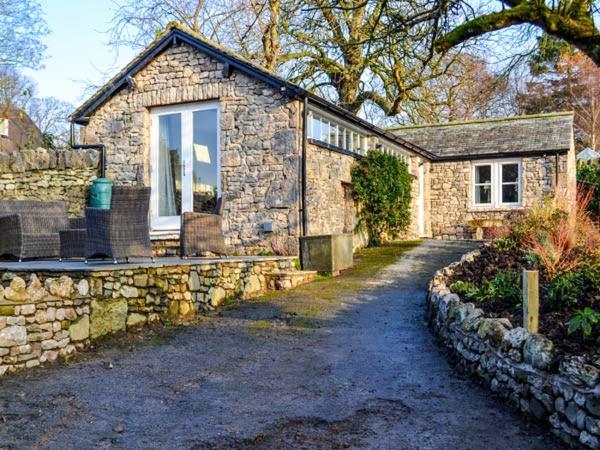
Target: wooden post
[[531, 300]]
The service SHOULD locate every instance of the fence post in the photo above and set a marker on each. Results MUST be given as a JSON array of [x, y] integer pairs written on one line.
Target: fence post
[[531, 300]]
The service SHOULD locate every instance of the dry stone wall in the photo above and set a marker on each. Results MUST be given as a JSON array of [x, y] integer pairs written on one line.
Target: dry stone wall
[[450, 196], [260, 140], [41, 174], [45, 316], [519, 366]]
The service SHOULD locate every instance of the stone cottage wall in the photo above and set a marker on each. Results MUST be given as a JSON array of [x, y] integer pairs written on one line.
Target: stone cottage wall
[[562, 391], [47, 315], [41, 174], [329, 203], [260, 140], [451, 207], [330, 207]]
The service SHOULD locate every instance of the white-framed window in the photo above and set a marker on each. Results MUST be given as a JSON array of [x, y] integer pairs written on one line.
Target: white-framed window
[[330, 130], [337, 134], [497, 183], [4, 127]]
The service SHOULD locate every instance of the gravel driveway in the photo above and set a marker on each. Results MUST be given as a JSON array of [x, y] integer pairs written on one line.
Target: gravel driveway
[[343, 363]]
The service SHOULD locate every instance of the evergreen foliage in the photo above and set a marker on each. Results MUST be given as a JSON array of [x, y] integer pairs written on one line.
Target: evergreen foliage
[[382, 188]]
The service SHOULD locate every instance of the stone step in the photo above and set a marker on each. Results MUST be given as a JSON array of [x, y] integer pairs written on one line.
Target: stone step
[[289, 279]]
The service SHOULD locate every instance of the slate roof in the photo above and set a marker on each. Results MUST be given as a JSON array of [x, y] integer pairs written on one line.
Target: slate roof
[[510, 136]]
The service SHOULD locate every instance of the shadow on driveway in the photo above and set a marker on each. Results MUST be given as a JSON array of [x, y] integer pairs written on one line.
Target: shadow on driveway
[[340, 363]]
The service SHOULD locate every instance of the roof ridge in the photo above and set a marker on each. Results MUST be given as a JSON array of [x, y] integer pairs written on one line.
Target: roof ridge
[[477, 121]]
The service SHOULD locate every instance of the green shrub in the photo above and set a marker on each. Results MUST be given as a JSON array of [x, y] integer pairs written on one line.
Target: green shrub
[[585, 320], [504, 287], [382, 187], [506, 244], [566, 289], [462, 287], [588, 176], [563, 291]]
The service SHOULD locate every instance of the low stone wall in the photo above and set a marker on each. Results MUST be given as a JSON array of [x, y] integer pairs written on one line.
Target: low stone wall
[[519, 366], [41, 174], [48, 315]]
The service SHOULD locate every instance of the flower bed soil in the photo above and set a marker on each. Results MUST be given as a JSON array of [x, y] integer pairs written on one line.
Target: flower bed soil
[[553, 324]]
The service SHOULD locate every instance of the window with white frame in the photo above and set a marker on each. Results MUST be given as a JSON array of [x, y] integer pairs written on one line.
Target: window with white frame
[[338, 134], [333, 133], [4, 127], [497, 183]]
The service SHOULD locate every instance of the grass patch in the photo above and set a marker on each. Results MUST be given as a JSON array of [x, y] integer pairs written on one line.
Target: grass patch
[[300, 323], [321, 297], [260, 325]]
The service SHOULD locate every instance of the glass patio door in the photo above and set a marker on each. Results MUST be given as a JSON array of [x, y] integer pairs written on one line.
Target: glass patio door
[[185, 162]]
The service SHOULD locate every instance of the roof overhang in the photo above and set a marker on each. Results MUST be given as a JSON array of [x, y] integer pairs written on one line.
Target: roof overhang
[[500, 155]]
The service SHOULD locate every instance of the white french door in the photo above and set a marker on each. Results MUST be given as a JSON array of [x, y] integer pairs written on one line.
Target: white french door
[[185, 159]]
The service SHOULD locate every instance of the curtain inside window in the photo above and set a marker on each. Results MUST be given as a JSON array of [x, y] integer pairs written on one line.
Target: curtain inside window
[[169, 164]]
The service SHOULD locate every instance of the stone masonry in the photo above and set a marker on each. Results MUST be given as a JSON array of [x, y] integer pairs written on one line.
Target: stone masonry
[[521, 367], [45, 315], [451, 193], [41, 174], [260, 139]]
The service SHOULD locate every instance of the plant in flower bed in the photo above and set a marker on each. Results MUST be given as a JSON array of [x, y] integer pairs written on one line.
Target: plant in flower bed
[[564, 246]]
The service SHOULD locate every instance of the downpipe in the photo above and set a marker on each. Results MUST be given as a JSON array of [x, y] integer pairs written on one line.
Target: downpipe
[[100, 147]]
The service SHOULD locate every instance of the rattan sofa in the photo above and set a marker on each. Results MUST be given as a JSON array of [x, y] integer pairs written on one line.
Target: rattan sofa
[[30, 228], [203, 232], [123, 231]]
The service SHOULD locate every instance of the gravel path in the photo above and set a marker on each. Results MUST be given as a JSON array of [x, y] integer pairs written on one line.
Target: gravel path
[[365, 373]]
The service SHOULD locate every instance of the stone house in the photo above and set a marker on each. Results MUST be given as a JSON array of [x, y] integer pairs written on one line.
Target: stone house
[[484, 169], [195, 121], [17, 130]]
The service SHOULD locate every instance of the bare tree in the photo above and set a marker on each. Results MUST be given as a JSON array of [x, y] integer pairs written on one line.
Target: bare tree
[[354, 52], [51, 117], [570, 20], [138, 22], [469, 91], [357, 52], [16, 89], [22, 28]]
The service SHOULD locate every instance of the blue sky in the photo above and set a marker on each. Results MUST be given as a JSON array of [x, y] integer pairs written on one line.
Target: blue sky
[[77, 52]]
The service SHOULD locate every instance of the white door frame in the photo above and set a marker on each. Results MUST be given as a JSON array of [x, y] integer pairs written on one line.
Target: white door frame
[[421, 197], [187, 138]]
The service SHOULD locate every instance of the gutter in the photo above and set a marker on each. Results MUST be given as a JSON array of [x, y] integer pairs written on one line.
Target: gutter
[[100, 147], [512, 154]]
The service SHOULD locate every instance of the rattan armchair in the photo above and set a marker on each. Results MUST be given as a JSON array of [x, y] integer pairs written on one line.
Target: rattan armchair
[[203, 232], [123, 231], [29, 228]]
